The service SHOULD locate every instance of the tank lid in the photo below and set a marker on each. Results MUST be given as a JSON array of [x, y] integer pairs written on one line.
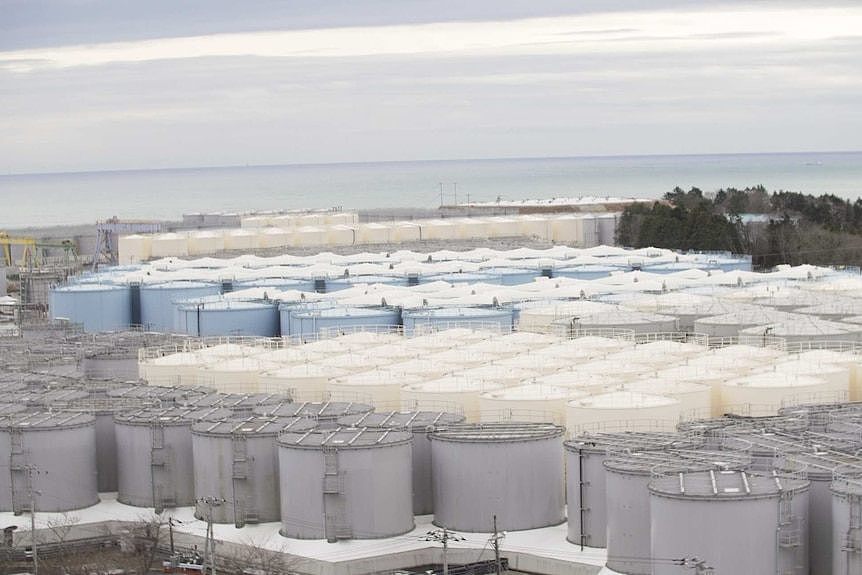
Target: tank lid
[[329, 410], [48, 398], [160, 392], [344, 438], [235, 400], [400, 419], [624, 441], [172, 415], [256, 425], [497, 432], [724, 484], [42, 420]]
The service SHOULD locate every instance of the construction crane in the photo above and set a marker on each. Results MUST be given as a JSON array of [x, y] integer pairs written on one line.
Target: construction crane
[[31, 257]]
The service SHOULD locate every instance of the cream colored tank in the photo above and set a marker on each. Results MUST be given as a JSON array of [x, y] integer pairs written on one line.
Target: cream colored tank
[[695, 398], [308, 237], [240, 239], [405, 232], [506, 376], [537, 364], [622, 411], [356, 362], [423, 368], [304, 382], [837, 376], [205, 242], [620, 371], [765, 393], [176, 369], [534, 227], [134, 249], [589, 383], [450, 393], [373, 233], [532, 402], [340, 235], [568, 229], [228, 350], [170, 244], [380, 388], [236, 375], [289, 355], [714, 378], [850, 360], [274, 238], [502, 227], [463, 357]]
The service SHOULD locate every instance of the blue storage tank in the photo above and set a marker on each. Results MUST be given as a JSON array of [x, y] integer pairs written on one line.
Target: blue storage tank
[[287, 310], [418, 321], [460, 278], [99, 307], [511, 276], [307, 323], [587, 272], [157, 301], [218, 318], [278, 284]]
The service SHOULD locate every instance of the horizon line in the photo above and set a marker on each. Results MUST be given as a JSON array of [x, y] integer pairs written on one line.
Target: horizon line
[[419, 161]]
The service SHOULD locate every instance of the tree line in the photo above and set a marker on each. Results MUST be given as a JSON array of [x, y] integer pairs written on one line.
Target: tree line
[[774, 227]]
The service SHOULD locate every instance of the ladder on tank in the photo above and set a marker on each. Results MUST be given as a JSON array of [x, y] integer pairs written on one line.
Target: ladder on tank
[[790, 544], [159, 464], [334, 527], [21, 473], [243, 512], [852, 542]]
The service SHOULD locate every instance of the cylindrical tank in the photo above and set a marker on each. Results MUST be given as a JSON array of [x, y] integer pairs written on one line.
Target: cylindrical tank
[[846, 522], [154, 455], [157, 301], [118, 365], [531, 402], [622, 411], [325, 414], [240, 404], [511, 470], [236, 375], [133, 249], [627, 480], [228, 318], [431, 320], [747, 523], [97, 307], [585, 478], [313, 323], [763, 394], [695, 399], [380, 388], [205, 242], [450, 393], [346, 483], [638, 322], [302, 381], [52, 457], [420, 424], [169, 244], [236, 463]]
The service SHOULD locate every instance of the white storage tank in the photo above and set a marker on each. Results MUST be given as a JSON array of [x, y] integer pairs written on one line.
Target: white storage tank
[[346, 483], [430, 320], [228, 318], [237, 375], [379, 387], [169, 244], [133, 249], [804, 330], [511, 470], [51, 457], [205, 242], [622, 411], [765, 393], [154, 455], [637, 322], [97, 307], [173, 369], [531, 402], [420, 424], [374, 233], [695, 399], [748, 523], [240, 240], [236, 461], [730, 325], [302, 381], [451, 393], [157, 301]]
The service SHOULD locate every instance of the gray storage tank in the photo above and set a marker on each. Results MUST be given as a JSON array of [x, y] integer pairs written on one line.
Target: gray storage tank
[[345, 483], [420, 424], [585, 478], [154, 455], [511, 470], [241, 404], [744, 523], [236, 460], [326, 413], [846, 525], [627, 479], [52, 454]]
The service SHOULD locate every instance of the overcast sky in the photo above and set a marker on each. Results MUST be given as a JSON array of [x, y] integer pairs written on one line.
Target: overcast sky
[[90, 85]]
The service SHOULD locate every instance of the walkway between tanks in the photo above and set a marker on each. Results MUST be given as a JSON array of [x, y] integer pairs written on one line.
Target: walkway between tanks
[[543, 551]]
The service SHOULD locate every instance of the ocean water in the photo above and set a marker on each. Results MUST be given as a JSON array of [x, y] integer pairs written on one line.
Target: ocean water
[[82, 198]]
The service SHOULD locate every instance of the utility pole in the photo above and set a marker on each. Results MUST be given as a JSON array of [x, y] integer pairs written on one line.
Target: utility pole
[[443, 536], [496, 539], [209, 544]]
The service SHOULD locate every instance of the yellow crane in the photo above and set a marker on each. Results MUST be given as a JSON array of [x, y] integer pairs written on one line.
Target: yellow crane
[[31, 256]]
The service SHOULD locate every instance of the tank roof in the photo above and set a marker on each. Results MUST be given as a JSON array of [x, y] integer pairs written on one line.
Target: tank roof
[[497, 432], [172, 416], [724, 484], [344, 438], [235, 400], [318, 410], [401, 419], [674, 461], [160, 392], [625, 441], [256, 425], [623, 400], [42, 420]]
